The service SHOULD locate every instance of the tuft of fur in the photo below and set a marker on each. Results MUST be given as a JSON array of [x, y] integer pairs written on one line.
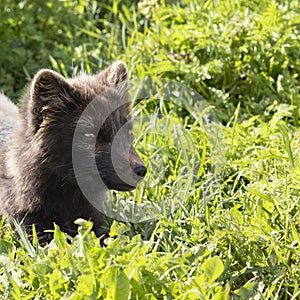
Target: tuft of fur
[[8, 118], [7, 107], [37, 181]]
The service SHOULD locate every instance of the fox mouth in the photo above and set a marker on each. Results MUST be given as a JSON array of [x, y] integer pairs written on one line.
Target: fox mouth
[[124, 183], [124, 187], [121, 187]]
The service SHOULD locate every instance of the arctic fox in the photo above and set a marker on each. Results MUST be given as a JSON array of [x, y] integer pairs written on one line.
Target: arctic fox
[[37, 179]]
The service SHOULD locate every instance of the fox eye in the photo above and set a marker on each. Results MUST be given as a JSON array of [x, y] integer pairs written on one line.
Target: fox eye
[[100, 138], [90, 135]]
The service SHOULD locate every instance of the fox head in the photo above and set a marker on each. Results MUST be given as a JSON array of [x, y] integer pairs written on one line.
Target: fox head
[[98, 109]]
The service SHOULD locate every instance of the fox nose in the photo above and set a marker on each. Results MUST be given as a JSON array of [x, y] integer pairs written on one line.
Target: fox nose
[[140, 170]]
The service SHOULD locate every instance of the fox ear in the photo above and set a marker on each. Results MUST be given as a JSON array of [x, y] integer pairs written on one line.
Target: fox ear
[[115, 73], [48, 90], [47, 85]]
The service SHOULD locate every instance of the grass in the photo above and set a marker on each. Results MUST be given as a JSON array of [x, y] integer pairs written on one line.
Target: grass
[[235, 239]]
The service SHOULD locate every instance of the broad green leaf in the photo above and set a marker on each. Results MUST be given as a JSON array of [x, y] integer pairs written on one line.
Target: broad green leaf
[[137, 291], [85, 284], [213, 267], [42, 269], [116, 283], [60, 239], [248, 290], [118, 229], [5, 247], [56, 282]]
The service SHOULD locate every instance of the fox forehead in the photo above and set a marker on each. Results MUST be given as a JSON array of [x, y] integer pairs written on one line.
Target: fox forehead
[[87, 85], [90, 88], [114, 77]]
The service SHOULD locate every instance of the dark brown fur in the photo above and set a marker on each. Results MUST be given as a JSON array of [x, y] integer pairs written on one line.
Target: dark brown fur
[[37, 182]]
